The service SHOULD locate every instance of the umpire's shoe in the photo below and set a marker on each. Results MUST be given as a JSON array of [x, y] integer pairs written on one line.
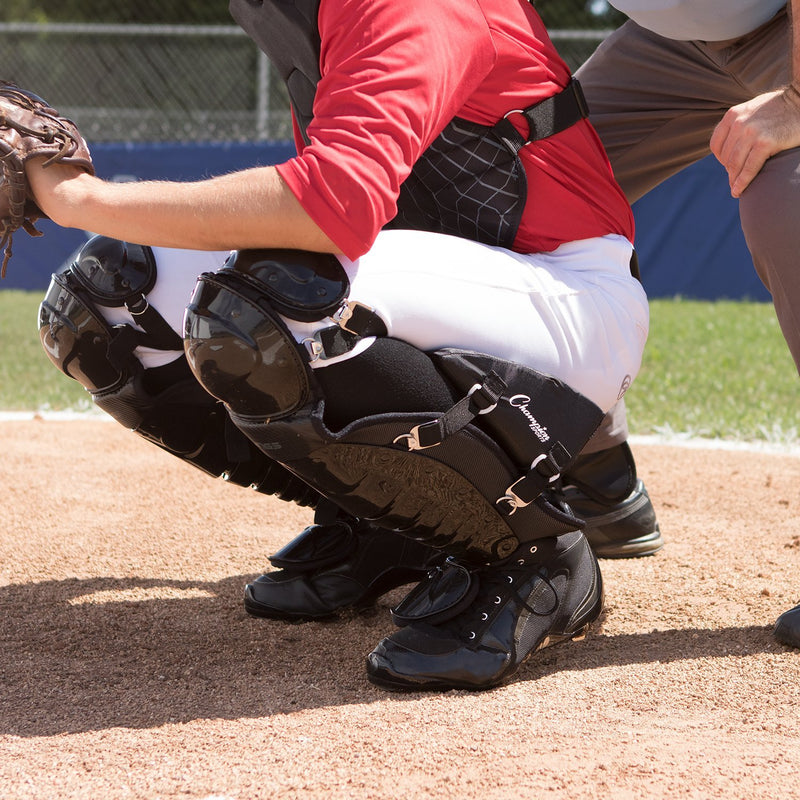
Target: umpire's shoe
[[333, 565], [787, 628], [473, 628], [602, 489]]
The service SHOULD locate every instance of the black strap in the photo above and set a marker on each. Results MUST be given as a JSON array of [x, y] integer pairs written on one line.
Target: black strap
[[549, 116], [481, 399], [359, 322], [159, 335], [542, 473]]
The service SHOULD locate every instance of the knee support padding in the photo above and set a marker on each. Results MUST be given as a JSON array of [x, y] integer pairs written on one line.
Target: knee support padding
[[236, 341]]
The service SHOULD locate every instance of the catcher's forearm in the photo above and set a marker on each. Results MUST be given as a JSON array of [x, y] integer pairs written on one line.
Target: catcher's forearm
[[248, 209]]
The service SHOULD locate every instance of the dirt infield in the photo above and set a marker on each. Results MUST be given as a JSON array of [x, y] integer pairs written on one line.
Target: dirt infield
[[130, 670]]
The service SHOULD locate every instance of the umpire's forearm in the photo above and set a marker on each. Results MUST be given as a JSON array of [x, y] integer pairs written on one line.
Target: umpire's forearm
[[246, 209]]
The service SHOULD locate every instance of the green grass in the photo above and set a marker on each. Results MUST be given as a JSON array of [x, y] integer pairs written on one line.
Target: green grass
[[716, 370], [28, 379], [710, 369]]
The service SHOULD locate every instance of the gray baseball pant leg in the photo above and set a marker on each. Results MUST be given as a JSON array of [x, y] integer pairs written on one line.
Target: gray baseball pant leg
[[655, 103]]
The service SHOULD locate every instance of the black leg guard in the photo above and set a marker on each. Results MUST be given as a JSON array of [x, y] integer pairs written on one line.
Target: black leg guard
[[166, 405], [388, 444], [605, 476], [603, 489]]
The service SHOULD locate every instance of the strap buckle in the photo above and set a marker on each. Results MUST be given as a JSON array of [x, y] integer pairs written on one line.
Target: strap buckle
[[479, 395], [315, 348], [513, 499], [413, 439], [347, 311]]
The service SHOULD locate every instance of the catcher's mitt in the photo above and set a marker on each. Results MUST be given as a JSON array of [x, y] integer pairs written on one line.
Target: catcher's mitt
[[28, 128]]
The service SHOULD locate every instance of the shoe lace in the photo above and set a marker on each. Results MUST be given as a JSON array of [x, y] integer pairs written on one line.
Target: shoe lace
[[498, 585]]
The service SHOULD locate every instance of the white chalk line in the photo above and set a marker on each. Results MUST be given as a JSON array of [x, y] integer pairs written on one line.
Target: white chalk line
[[686, 440]]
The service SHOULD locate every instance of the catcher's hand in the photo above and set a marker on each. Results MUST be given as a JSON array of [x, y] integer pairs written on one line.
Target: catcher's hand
[[30, 128]]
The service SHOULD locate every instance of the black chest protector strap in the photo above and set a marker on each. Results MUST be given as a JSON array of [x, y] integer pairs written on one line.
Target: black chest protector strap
[[546, 118], [286, 31]]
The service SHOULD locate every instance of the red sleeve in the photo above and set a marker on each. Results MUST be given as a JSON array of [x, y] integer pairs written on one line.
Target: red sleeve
[[393, 75]]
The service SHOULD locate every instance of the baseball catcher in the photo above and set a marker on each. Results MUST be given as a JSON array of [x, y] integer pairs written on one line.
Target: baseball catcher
[[29, 128], [425, 316]]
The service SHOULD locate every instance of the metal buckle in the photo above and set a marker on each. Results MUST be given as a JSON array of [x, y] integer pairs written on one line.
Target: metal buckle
[[137, 307], [314, 346], [488, 409], [521, 111], [542, 457], [512, 499], [345, 313], [412, 439]]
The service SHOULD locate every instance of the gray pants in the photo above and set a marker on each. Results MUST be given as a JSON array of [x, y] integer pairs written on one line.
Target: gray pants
[[655, 103]]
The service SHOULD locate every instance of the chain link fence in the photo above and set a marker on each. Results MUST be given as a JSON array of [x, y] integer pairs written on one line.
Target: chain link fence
[[154, 82]]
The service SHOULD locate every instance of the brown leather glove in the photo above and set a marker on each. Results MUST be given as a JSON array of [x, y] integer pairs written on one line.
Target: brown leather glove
[[29, 128]]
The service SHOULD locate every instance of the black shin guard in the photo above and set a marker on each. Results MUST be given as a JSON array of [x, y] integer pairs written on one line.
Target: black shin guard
[[165, 405], [470, 477]]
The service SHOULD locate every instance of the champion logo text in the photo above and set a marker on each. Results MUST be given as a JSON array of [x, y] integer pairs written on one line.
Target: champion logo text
[[520, 402]]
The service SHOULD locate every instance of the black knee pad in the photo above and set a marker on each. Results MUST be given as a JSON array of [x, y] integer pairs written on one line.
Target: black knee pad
[[75, 335], [239, 347]]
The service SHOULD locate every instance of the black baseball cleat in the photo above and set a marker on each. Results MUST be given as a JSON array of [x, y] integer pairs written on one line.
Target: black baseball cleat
[[332, 566], [472, 628], [602, 489], [787, 628]]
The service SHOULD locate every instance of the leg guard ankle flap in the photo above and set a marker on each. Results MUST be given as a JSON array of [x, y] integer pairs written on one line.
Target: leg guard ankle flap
[[458, 487]]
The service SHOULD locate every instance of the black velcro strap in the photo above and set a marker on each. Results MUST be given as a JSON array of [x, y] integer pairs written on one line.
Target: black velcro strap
[[159, 334], [542, 473], [550, 116], [481, 399], [354, 322], [361, 320], [335, 341]]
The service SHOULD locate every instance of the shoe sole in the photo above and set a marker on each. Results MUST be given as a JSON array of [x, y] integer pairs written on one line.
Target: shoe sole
[[787, 628], [646, 545], [256, 609], [548, 641]]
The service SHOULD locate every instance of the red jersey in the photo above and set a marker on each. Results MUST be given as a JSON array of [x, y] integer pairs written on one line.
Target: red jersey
[[394, 74]]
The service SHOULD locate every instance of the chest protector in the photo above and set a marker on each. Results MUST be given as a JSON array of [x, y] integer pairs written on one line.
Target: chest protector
[[441, 194]]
